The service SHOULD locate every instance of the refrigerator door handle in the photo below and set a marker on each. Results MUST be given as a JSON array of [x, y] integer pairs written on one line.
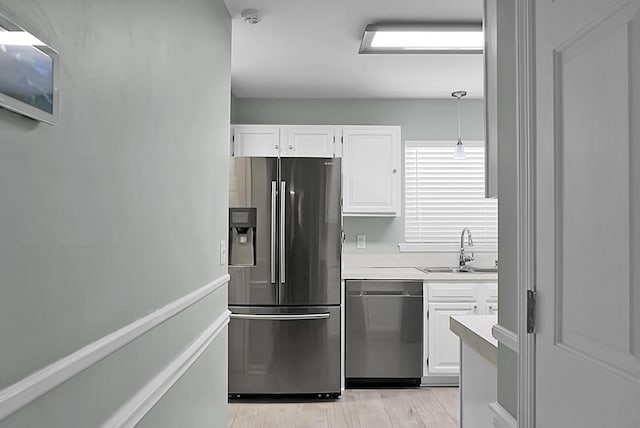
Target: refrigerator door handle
[[283, 187], [274, 191], [282, 317]]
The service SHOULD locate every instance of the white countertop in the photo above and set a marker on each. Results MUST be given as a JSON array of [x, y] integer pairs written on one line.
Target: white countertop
[[475, 330], [360, 272], [383, 273]]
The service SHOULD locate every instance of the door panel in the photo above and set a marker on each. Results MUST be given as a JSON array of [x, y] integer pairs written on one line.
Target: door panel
[[444, 345], [308, 141], [250, 186], [285, 355], [372, 170], [256, 140], [587, 346], [310, 268]]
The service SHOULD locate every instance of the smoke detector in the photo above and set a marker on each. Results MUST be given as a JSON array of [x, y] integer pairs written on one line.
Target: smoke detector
[[251, 16]]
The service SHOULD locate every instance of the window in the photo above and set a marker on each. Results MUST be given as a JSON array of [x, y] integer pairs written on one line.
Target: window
[[443, 195]]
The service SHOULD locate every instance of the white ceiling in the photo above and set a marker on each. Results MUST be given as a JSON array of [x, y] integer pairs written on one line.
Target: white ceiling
[[309, 49]]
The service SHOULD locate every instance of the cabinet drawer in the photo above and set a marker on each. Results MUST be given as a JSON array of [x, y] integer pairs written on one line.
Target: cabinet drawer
[[452, 291], [492, 292]]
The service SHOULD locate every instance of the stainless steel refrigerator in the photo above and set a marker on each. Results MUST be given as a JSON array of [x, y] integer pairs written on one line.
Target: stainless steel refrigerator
[[284, 293]]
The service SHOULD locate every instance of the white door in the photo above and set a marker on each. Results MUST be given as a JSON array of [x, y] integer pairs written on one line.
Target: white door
[[371, 170], [444, 345], [308, 141], [588, 213]]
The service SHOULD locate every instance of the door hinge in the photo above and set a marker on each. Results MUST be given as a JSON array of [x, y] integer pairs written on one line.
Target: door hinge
[[531, 311], [427, 314]]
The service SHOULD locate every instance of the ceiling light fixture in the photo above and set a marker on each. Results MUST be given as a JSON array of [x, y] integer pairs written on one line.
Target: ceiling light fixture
[[458, 152], [436, 38]]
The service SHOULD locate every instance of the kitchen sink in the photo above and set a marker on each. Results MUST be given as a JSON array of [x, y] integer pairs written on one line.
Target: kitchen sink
[[458, 269]]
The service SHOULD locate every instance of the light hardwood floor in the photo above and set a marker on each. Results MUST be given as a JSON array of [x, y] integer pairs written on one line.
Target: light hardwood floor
[[357, 408]]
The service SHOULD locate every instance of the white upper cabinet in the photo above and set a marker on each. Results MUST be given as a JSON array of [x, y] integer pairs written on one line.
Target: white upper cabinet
[[256, 141], [283, 141], [371, 171], [307, 141]]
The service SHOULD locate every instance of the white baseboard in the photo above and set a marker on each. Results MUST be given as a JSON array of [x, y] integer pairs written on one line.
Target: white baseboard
[[501, 417], [505, 336], [25, 391], [139, 405]]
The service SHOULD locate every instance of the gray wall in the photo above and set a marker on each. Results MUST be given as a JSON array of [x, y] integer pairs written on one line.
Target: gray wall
[[430, 119], [119, 209]]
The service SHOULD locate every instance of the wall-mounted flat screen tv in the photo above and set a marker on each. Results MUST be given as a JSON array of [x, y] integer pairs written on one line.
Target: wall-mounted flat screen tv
[[28, 73]]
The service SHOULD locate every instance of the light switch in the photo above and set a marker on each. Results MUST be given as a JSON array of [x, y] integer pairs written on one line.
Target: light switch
[[361, 241], [223, 252]]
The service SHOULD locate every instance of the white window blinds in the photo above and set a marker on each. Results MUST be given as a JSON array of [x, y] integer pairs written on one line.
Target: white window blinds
[[443, 195]]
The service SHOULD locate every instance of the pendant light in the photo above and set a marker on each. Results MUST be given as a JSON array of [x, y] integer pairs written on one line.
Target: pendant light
[[458, 152]]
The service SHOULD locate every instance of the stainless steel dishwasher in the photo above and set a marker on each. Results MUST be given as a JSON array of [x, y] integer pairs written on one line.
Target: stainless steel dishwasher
[[384, 322]]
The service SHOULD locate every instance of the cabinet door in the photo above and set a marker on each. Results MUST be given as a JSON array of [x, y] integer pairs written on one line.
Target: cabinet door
[[256, 141], [371, 171], [308, 141], [444, 345], [491, 308]]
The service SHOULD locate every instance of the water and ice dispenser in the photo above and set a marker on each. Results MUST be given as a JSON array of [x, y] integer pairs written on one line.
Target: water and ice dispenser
[[242, 236]]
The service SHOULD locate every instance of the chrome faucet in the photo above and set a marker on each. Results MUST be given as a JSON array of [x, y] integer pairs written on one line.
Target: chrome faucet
[[464, 259]]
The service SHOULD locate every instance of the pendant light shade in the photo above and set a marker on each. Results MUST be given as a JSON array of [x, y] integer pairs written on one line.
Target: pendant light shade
[[458, 152]]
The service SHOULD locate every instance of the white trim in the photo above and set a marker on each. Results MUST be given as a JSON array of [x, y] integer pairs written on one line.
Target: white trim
[[505, 336], [16, 396], [139, 405], [425, 247], [526, 205], [501, 417]]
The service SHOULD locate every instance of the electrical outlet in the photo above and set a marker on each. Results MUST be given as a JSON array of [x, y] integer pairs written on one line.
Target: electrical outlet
[[361, 241], [223, 252]]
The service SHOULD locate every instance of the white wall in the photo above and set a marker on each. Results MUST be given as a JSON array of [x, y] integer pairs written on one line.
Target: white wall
[[420, 119], [119, 209]]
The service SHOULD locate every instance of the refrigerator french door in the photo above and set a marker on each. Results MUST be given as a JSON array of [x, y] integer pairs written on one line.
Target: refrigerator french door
[[284, 334]]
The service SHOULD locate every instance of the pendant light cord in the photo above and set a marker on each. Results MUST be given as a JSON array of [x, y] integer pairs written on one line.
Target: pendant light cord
[[459, 131]]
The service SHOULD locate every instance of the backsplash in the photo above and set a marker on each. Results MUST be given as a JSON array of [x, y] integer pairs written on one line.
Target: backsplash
[[397, 259]]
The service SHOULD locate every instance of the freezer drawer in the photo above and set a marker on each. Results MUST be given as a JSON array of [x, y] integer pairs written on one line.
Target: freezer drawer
[[284, 350], [384, 329]]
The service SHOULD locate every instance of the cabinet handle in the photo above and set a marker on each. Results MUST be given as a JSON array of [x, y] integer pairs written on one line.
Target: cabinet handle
[[394, 171], [276, 146], [290, 146]]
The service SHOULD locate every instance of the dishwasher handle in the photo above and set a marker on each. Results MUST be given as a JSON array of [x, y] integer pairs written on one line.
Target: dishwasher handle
[[382, 294]]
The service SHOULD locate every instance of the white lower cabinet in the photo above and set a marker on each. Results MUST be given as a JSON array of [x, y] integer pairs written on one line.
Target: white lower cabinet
[[444, 349], [443, 299], [491, 308]]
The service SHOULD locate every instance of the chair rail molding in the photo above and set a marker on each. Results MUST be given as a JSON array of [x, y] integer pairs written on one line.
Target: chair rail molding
[[20, 394], [139, 405], [501, 417], [505, 336]]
